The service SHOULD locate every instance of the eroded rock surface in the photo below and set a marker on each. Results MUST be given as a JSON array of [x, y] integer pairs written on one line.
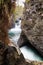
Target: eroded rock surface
[[32, 24]]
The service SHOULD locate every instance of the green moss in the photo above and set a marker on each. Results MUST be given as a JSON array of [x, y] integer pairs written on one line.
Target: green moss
[[1, 1], [18, 11], [27, 0]]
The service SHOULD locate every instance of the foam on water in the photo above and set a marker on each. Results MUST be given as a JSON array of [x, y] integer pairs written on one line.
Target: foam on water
[[30, 54]]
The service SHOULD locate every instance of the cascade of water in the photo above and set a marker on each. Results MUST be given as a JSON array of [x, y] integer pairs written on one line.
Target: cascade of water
[[15, 32], [28, 52]]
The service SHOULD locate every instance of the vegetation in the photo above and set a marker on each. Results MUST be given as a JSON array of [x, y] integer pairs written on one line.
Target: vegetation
[[27, 1], [18, 12]]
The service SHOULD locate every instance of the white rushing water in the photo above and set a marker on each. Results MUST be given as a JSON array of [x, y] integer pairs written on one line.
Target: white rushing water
[[28, 52], [15, 32], [20, 3]]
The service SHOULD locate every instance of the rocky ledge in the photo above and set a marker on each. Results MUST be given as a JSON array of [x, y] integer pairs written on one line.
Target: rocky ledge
[[34, 62]]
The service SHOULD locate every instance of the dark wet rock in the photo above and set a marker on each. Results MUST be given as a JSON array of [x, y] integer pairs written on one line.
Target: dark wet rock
[[12, 25], [10, 56], [22, 40], [32, 24]]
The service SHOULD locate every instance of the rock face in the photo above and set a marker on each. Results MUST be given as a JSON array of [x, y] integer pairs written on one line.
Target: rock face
[[22, 40], [32, 24]]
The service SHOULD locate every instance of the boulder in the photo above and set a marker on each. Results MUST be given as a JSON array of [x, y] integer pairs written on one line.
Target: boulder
[[32, 23]]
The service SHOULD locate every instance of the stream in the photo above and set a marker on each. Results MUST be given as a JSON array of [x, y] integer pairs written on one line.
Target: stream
[[28, 51]]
